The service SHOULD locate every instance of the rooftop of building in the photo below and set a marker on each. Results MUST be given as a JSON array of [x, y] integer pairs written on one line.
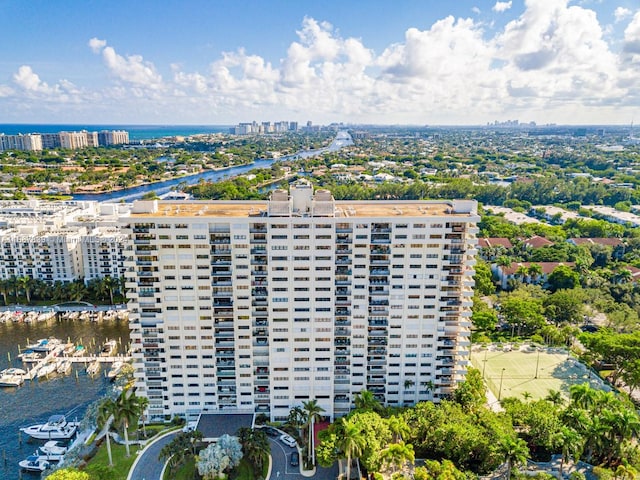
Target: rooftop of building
[[343, 209]]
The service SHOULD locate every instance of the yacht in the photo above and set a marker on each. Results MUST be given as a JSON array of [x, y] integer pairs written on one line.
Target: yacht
[[56, 428], [93, 368], [109, 348], [47, 369], [34, 463], [29, 356], [45, 345], [63, 366], [116, 367], [80, 351], [52, 451], [12, 377]]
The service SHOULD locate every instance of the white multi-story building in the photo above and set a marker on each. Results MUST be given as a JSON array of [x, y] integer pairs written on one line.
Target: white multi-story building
[[30, 142], [52, 255], [103, 254], [266, 304]]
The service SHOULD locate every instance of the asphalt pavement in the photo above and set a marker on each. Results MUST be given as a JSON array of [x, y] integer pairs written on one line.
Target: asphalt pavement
[[281, 468], [148, 466]]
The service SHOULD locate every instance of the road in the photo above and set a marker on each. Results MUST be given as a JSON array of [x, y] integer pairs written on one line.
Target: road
[[149, 466], [281, 455]]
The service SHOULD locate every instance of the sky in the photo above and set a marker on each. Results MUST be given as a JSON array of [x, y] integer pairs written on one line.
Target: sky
[[418, 62]]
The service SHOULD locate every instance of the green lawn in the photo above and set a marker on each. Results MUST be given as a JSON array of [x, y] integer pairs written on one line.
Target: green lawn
[[535, 372], [99, 465]]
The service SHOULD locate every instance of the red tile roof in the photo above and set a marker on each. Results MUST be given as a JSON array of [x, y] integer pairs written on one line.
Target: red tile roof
[[494, 242], [614, 242], [537, 242], [547, 267]]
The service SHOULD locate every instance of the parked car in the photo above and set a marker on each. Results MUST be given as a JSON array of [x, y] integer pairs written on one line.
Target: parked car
[[271, 432], [288, 440], [295, 459]]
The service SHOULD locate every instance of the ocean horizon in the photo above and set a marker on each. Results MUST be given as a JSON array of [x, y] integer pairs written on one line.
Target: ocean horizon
[[136, 132]]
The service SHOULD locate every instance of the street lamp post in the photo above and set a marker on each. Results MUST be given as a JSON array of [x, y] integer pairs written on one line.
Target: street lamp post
[[537, 363], [500, 387], [484, 366]]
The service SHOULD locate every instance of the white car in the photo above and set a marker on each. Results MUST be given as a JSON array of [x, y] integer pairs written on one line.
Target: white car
[[288, 440]]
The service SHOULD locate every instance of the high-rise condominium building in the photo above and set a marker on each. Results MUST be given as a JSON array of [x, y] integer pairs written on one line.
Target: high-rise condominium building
[[30, 142], [266, 304]]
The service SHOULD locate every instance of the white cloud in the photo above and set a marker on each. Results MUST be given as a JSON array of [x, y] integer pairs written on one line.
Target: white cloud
[[501, 6], [133, 69], [97, 45], [28, 80], [552, 62], [621, 13], [476, 10]]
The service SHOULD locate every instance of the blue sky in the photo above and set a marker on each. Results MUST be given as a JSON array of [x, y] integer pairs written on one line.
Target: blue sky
[[374, 61]]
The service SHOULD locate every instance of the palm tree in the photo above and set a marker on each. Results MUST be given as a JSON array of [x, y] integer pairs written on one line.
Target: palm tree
[[5, 288], [351, 441], [25, 283], [555, 397], [526, 396], [143, 404], [365, 400], [296, 418], [127, 411], [76, 290], [570, 442], [514, 451], [109, 285], [534, 271], [255, 446], [582, 396], [106, 415], [398, 427], [312, 411], [397, 454]]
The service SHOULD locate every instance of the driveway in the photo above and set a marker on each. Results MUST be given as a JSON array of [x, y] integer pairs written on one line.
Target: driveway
[[147, 466], [281, 469]]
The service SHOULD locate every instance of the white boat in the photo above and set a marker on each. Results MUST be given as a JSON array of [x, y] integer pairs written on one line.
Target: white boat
[[47, 369], [12, 377], [45, 345], [64, 366], [79, 351], [52, 451], [109, 348], [46, 316], [93, 368], [69, 349], [29, 356], [115, 369], [34, 463], [56, 428]]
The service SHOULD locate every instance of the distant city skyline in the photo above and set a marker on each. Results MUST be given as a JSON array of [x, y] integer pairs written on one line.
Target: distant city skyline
[[378, 62]]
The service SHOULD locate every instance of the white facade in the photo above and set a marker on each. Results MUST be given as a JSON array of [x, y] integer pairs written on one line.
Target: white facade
[[264, 305], [103, 254], [30, 142]]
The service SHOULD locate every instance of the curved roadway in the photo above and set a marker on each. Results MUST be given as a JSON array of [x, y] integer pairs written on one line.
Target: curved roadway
[[148, 466]]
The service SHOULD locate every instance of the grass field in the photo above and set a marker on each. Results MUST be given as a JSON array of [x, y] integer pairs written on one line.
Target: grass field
[[510, 374]]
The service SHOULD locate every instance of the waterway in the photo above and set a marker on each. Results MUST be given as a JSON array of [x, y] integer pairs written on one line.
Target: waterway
[[36, 400], [341, 140]]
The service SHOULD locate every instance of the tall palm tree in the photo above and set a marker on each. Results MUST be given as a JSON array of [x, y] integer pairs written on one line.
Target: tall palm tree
[[106, 415], [76, 290], [255, 446], [127, 411], [5, 288], [397, 454], [143, 404], [365, 400], [570, 442], [398, 427], [109, 285], [514, 451], [312, 411], [582, 396], [351, 441], [296, 418], [25, 283]]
